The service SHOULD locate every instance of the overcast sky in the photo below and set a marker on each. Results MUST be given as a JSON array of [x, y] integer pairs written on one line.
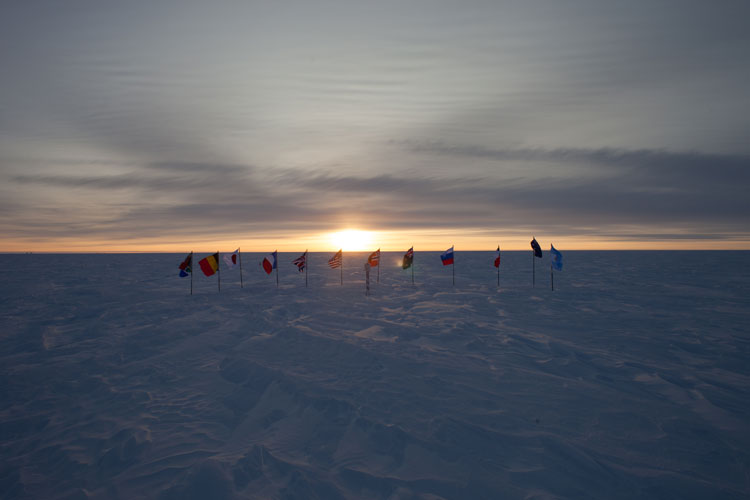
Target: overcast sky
[[166, 125]]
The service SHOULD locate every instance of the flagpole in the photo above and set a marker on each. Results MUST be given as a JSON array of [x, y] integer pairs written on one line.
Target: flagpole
[[276, 261], [412, 264], [453, 267], [239, 253], [191, 272], [218, 267], [498, 266]]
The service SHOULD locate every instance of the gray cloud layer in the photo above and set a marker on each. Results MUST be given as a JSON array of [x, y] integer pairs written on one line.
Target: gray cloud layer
[[703, 194]]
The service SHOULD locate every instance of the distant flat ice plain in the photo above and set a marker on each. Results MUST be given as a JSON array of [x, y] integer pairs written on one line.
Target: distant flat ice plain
[[630, 380]]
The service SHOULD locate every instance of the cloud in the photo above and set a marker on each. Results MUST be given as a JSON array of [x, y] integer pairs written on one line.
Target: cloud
[[162, 176], [676, 194]]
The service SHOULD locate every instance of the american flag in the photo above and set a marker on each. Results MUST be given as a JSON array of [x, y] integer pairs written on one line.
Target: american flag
[[301, 261], [336, 260], [374, 258]]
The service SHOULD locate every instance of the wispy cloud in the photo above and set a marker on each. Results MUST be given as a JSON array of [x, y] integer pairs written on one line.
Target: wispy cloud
[[691, 193]]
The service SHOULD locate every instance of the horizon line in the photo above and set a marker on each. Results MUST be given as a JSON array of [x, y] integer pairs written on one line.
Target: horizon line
[[209, 252]]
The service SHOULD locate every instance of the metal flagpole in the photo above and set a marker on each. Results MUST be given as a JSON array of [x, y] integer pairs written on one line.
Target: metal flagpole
[[412, 265], [239, 254], [552, 277], [378, 265], [367, 278], [498, 267]]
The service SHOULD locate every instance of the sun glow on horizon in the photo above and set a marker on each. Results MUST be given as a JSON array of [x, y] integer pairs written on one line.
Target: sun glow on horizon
[[352, 240]]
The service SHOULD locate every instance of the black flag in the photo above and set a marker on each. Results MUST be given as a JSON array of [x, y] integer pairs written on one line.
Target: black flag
[[537, 248]]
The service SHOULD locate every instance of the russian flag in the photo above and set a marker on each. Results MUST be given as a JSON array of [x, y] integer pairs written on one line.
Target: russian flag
[[269, 264], [447, 257]]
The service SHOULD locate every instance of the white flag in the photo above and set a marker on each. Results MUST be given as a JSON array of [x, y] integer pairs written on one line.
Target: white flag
[[232, 259]]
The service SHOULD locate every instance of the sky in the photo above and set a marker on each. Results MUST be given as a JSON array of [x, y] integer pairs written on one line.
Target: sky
[[191, 125]]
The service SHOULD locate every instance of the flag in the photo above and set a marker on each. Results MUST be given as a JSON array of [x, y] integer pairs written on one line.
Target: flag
[[209, 265], [301, 261], [497, 257], [537, 248], [269, 263], [408, 258], [336, 260], [447, 257], [557, 262], [374, 258], [187, 265], [231, 259]]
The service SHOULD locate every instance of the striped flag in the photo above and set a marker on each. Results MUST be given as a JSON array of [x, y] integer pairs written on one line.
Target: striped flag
[[374, 258], [336, 260], [209, 265], [301, 261], [269, 263], [447, 257]]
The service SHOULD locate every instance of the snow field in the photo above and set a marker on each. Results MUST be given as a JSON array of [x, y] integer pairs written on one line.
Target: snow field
[[630, 380]]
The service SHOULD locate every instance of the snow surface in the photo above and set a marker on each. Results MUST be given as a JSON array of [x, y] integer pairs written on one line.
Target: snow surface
[[630, 380]]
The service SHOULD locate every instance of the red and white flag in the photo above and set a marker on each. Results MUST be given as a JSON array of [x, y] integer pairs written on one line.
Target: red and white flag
[[374, 258], [232, 259], [336, 260], [497, 257]]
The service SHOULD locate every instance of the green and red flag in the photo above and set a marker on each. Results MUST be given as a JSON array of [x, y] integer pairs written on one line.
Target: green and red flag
[[187, 266]]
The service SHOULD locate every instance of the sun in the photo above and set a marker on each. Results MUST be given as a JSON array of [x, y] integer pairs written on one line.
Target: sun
[[352, 240]]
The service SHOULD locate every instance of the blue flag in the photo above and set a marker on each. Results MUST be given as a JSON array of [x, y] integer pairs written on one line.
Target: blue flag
[[556, 262]]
